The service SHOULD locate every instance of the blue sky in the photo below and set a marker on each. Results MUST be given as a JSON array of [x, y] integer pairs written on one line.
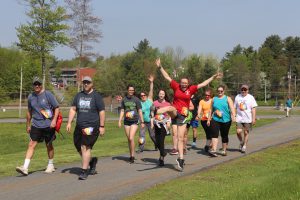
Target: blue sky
[[198, 26]]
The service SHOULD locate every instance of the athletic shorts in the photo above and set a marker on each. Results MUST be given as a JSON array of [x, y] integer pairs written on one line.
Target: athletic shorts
[[129, 123], [245, 126], [80, 139], [195, 123], [179, 120], [41, 134]]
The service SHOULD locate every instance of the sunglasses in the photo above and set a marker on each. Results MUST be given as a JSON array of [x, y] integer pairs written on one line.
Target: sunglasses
[[86, 82], [220, 90], [243, 89], [37, 84], [207, 95], [143, 95]]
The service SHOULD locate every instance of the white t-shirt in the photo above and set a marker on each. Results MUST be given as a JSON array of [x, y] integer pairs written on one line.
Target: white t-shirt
[[244, 106]]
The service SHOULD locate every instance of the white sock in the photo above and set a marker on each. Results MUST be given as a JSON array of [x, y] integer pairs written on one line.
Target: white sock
[[50, 162], [26, 163]]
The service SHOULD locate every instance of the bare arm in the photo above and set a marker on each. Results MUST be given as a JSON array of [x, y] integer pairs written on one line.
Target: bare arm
[[253, 116], [210, 113], [121, 117], [207, 81], [53, 122], [232, 110], [28, 121], [199, 110], [72, 113], [150, 96], [161, 69], [142, 118], [102, 122]]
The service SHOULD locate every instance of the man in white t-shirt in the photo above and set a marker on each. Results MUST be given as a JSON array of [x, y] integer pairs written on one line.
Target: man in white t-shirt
[[245, 106]]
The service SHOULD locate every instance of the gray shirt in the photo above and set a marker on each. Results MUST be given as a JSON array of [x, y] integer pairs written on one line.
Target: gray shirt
[[41, 108], [88, 107]]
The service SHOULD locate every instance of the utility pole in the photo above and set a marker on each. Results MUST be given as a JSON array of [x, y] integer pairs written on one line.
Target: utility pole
[[295, 87], [21, 85], [265, 90], [289, 79]]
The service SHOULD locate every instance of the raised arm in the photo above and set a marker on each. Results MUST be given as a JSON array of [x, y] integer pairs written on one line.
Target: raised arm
[[161, 69], [151, 79], [206, 82]]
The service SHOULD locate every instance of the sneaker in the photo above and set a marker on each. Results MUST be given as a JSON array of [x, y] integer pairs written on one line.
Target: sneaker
[[223, 152], [241, 146], [194, 145], [212, 153], [206, 148], [84, 174], [168, 132], [131, 159], [161, 162], [174, 152], [243, 150], [50, 169], [93, 164], [22, 170], [180, 163]]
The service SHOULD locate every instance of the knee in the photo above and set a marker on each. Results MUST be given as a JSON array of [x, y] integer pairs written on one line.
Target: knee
[[32, 144], [225, 139]]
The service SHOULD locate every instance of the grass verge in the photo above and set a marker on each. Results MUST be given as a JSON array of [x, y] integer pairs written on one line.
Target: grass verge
[[269, 174]]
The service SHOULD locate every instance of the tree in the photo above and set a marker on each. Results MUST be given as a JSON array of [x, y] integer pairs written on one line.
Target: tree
[[275, 44], [44, 32], [85, 29]]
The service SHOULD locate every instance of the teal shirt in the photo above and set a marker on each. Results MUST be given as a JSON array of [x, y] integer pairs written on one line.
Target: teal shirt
[[221, 106], [289, 103], [146, 105]]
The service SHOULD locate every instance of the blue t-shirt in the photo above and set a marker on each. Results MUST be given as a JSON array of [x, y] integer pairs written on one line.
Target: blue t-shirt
[[41, 108], [146, 105], [221, 109], [289, 103]]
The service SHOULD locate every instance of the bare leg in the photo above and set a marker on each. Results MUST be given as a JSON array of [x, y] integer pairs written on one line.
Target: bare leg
[[181, 130], [172, 112], [50, 150], [30, 149], [175, 137], [86, 156]]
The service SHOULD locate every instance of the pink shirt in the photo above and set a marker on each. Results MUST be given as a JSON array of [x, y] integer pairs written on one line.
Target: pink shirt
[[158, 104]]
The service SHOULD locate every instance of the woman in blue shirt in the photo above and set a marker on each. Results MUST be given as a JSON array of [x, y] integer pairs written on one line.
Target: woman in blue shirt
[[223, 114]]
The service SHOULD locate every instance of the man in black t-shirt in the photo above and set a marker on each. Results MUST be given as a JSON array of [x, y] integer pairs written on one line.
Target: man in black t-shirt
[[90, 110]]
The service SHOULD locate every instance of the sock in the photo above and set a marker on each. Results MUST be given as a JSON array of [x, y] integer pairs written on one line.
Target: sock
[[26, 163], [194, 139], [50, 162]]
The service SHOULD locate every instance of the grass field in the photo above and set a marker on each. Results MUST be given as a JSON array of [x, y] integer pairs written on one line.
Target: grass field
[[14, 140], [270, 174]]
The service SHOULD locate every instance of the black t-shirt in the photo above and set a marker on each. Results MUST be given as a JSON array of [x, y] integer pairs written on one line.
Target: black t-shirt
[[88, 107], [131, 106]]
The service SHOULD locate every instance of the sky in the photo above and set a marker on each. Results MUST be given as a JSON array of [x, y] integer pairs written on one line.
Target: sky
[[197, 26]]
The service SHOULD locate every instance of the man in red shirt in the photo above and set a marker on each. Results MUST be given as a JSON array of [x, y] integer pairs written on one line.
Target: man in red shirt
[[179, 112]]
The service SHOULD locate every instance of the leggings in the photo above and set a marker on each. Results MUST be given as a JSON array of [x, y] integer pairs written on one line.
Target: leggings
[[160, 134], [207, 129], [151, 134], [221, 127]]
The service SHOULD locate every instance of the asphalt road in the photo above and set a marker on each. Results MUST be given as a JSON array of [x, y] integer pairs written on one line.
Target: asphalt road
[[117, 178]]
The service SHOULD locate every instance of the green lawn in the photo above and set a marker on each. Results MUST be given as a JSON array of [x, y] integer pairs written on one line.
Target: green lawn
[[14, 140], [270, 174]]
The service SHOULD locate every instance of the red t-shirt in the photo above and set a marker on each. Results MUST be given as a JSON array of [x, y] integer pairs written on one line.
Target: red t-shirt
[[182, 98]]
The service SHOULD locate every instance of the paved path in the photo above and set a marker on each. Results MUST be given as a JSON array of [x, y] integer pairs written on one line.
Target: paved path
[[118, 179]]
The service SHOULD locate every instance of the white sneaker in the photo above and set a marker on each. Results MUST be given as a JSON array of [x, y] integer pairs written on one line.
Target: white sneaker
[[50, 169], [241, 146], [22, 170], [243, 149]]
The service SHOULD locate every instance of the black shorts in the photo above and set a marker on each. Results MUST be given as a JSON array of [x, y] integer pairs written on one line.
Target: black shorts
[[129, 123], [179, 120], [80, 139], [41, 134]]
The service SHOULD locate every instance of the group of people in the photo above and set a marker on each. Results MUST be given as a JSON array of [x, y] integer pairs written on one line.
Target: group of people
[[216, 114]]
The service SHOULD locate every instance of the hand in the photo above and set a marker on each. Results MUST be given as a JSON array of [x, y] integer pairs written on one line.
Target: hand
[[218, 75], [120, 124], [197, 118], [151, 78], [101, 131], [53, 123], [157, 62], [119, 98], [253, 122], [28, 129], [142, 125], [208, 123], [233, 118], [68, 127]]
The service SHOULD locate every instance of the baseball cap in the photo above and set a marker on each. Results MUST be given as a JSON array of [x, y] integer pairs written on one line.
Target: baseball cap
[[245, 86], [37, 80], [87, 78]]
